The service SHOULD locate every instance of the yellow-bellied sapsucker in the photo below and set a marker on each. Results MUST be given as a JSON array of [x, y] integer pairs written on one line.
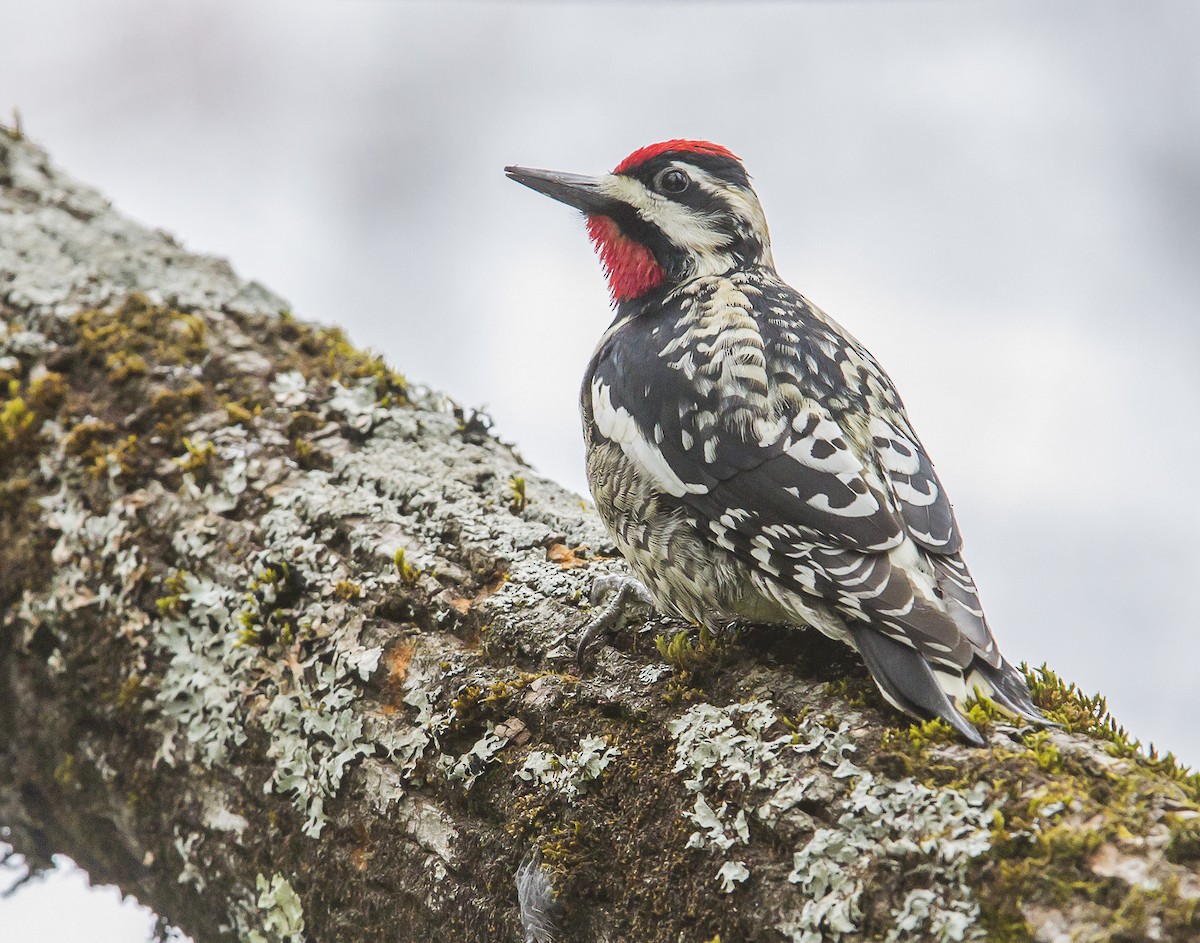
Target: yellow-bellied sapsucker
[[749, 457]]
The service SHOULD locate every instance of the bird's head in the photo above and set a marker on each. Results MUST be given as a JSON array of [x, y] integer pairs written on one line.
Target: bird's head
[[668, 213]]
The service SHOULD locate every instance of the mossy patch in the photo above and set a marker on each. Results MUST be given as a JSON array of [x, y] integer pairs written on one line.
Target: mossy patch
[[31, 398], [1183, 847], [25, 407], [1064, 811], [689, 655], [326, 355], [1064, 703], [595, 845], [125, 341]]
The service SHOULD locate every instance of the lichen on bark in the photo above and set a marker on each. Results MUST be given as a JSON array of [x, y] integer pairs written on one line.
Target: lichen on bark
[[288, 651]]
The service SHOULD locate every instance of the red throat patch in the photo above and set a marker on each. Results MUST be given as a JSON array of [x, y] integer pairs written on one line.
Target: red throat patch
[[630, 267]]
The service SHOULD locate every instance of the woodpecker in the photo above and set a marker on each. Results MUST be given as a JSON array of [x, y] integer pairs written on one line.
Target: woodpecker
[[751, 459]]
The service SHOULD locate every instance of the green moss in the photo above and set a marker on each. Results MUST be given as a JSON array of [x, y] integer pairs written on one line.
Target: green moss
[[518, 500], [929, 733], [238, 412], [102, 451], [1183, 847], [476, 703], [172, 602], [23, 411], [1046, 835], [1064, 703], [17, 424], [124, 364], [983, 713], [15, 132], [24, 541], [131, 352], [1056, 810], [1044, 753], [1155, 914], [409, 574], [1042, 865], [685, 655], [568, 848], [168, 605], [325, 354], [347, 590], [124, 339], [172, 409], [66, 774], [128, 692], [852, 689], [267, 616], [198, 456], [177, 582], [633, 807], [86, 435], [309, 456], [46, 394]]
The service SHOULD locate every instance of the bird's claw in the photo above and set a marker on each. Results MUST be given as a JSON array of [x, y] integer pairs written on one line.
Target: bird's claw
[[617, 595]]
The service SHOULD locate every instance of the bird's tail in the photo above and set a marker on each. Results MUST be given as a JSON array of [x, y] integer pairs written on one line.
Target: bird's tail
[[908, 681], [1005, 687], [911, 684]]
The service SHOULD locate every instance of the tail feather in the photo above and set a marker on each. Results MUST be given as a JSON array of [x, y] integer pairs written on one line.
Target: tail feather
[[907, 681], [1005, 686]]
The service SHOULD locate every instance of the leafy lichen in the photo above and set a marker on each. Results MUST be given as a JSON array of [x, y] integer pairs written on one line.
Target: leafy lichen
[[569, 773], [280, 915]]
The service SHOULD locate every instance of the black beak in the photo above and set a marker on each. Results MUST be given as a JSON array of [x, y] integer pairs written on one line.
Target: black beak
[[575, 190]]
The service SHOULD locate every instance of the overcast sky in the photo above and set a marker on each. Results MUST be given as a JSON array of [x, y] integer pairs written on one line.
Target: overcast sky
[[1001, 199]]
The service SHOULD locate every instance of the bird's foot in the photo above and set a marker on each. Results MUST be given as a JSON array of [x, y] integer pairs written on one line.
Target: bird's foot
[[617, 595]]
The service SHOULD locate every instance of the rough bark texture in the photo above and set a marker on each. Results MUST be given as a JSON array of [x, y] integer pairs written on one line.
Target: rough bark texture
[[287, 652]]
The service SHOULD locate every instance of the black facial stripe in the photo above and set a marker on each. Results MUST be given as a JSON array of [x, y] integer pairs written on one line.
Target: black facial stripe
[[697, 198], [722, 168], [743, 246], [672, 258]]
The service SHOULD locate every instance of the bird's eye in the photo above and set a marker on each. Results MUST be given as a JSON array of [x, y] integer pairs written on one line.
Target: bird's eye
[[672, 180]]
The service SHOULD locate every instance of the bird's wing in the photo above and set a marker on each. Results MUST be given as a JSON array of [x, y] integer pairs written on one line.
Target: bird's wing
[[913, 484], [800, 469], [812, 498], [800, 474], [821, 503]]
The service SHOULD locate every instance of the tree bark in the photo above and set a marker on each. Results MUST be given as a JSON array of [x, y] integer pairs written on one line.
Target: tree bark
[[288, 652]]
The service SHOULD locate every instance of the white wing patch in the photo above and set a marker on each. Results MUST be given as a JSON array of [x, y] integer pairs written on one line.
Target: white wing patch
[[863, 505], [821, 446], [911, 480], [896, 451], [910, 495], [616, 424]]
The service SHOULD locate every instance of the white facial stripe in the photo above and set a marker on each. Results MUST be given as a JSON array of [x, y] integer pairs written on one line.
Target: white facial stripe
[[742, 204], [750, 210], [743, 207], [681, 224], [705, 239]]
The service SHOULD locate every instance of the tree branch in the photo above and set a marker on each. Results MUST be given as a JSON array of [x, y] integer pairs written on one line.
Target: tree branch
[[288, 652]]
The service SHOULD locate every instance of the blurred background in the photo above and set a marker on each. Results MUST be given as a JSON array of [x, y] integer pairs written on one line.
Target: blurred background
[[1000, 199]]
